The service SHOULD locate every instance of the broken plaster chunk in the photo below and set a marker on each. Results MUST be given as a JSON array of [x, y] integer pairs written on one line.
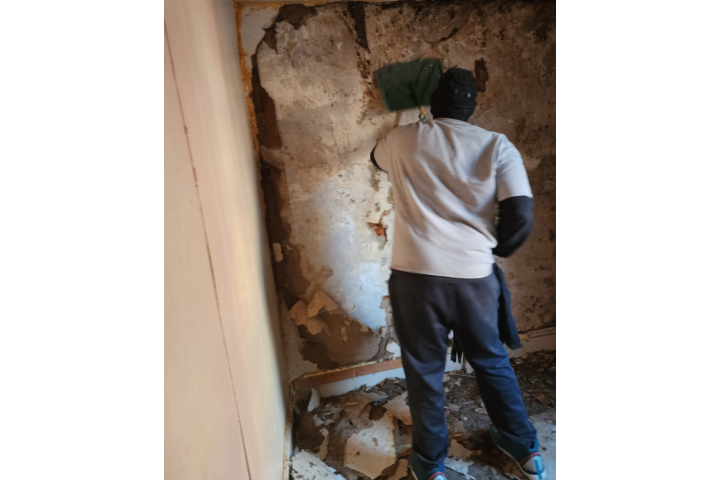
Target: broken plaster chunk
[[314, 400], [319, 301], [315, 326], [458, 458], [401, 471], [392, 347], [306, 466], [357, 402], [398, 407], [372, 450], [298, 313], [456, 430], [322, 453], [277, 250]]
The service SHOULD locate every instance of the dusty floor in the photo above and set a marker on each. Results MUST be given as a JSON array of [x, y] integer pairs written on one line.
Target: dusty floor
[[364, 428]]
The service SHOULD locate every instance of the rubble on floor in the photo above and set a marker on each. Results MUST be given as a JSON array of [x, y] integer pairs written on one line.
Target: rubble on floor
[[366, 434], [338, 339]]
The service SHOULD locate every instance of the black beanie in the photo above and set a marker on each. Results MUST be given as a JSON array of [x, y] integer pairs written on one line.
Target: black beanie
[[455, 95]]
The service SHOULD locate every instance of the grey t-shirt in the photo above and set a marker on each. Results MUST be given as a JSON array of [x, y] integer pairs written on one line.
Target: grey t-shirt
[[447, 177]]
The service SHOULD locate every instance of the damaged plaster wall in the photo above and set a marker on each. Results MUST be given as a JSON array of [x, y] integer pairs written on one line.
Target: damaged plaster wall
[[319, 114]]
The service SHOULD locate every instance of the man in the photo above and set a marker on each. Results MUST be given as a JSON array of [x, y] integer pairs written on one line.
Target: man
[[449, 176]]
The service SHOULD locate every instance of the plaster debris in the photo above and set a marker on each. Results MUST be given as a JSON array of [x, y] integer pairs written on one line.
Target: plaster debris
[[392, 347], [401, 471], [308, 436], [372, 451], [456, 430], [458, 458], [277, 250], [322, 453], [315, 326], [298, 313], [306, 466], [399, 408], [356, 402], [319, 301], [362, 421], [456, 450], [314, 400]]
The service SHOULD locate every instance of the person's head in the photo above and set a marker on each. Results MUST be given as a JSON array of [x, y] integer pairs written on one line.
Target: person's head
[[455, 95]]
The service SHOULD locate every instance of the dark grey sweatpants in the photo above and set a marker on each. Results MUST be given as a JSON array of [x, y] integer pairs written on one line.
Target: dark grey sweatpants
[[425, 309]]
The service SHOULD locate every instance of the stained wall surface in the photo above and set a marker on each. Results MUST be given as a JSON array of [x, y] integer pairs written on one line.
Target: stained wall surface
[[225, 369], [319, 114]]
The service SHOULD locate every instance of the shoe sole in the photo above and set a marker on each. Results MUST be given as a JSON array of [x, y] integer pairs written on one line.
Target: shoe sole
[[530, 476], [415, 476]]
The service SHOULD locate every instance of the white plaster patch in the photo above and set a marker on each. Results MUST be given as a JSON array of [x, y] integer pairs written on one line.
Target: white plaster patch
[[306, 466], [277, 250], [392, 347], [314, 400], [372, 450], [255, 20]]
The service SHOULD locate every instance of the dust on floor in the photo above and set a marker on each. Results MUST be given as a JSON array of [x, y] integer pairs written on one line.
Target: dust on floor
[[366, 434]]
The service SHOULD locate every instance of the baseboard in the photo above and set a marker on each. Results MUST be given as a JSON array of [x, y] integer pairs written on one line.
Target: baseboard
[[343, 380]]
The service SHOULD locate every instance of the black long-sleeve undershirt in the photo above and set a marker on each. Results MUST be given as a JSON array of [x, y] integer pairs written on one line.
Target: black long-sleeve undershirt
[[515, 224]]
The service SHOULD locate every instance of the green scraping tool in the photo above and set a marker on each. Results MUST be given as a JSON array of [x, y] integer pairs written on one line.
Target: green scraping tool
[[409, 84]]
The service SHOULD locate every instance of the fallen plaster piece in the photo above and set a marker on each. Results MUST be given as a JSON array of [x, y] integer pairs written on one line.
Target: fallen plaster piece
[[306, 466], [401, 471], [392, 347], [319, 301], [458, 451], [277, 250], [398, 407], [458, 458], [322, 453], [460, 466], [357, 402], [298, 313], [372, 450], [316, 325], [314, 400]]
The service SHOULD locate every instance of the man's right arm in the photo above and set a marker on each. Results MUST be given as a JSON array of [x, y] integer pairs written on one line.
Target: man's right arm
[[372, 159], [381, 155]]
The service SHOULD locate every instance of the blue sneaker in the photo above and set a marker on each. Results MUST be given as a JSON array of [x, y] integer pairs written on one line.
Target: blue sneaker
[[528, 459], [419, 473]]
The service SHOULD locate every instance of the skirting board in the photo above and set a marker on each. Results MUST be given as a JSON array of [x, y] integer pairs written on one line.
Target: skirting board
[[342, 380]]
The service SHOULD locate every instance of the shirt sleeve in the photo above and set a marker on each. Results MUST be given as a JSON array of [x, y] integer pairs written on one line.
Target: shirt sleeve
[[382, 153], [511, 179]]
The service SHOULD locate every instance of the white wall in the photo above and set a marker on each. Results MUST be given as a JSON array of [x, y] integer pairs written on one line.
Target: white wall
[[225, 373]]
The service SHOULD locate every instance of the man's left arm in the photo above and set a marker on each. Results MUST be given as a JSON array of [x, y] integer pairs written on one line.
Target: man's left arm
[[515, 216]]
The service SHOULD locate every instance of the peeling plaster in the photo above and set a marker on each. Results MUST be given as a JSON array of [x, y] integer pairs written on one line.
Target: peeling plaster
[[319, 114]]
